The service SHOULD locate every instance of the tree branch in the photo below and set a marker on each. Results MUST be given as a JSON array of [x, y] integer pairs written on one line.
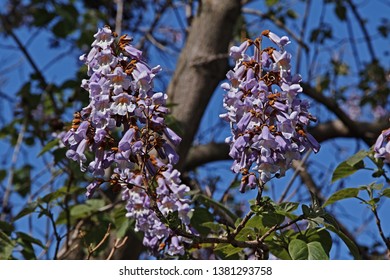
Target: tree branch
[[192, 83], [202, 154]]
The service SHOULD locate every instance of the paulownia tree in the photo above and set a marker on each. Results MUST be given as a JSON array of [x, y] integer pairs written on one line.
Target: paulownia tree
[[124, 160]]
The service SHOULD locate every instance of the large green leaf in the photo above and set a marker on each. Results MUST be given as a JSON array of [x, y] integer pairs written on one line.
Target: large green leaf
[[278, 250], [322, 236], [350, 166], [298, 250], [344, 170], [316, 251], [350, 244], [342, 194], [270, 219], [199, 218]]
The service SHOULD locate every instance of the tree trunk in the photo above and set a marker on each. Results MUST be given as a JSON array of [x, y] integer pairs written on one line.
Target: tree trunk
[[201, 66]]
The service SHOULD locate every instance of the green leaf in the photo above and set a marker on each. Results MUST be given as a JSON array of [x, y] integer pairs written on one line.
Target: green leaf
[[306, 210], [278, 250], [342, 194], [95, 204], [80, 211], [288, 206], [228, 250], [316, 251], [30, 208], [214, 203], [200, 216], [49, 146], [340, 10], [29, 239], [213, 226], [356, 158], [386, 193], [322, 236], [63, 28], [6, 246], [42, 17], [298, 250], [350, 244], [53, 195], [3, 174], [271, 219], [344, 170], [270, 3], [256, 222], [6, 227], [22, 180]]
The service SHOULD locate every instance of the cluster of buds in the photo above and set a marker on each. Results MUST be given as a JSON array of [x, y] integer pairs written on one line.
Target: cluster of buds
[[268, 121], [124, 129]]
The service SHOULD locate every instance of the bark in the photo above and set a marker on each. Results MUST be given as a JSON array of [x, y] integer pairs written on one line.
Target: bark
[[201, 66]]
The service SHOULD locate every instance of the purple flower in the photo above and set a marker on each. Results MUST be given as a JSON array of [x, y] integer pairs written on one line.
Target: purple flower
[[382, 146], [122, 99], [267, 119], [103, 38]]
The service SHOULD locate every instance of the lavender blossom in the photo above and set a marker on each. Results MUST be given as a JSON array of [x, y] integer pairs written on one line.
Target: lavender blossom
[[268, 121], [124, 128], [382, 146]]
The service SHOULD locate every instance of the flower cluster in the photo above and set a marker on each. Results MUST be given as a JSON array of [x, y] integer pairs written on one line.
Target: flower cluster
[[382, 146], [124, 129], [268, 121]]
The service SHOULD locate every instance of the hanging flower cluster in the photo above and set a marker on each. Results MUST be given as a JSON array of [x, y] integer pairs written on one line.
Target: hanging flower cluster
[[382, 146], [123, 127], [268, 121]]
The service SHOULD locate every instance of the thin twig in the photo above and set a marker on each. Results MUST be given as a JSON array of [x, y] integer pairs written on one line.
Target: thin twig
[[92, 250], [279, 24], [117, 245], [380, 229], [30, 60], [363, 27], [302, 35], [298, 169], [11, 172]]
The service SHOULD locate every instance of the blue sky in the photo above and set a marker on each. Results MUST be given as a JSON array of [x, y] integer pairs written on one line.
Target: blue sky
[[325, 160]]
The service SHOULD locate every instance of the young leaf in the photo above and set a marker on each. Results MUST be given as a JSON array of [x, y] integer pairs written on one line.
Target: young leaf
[[342, 194]]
